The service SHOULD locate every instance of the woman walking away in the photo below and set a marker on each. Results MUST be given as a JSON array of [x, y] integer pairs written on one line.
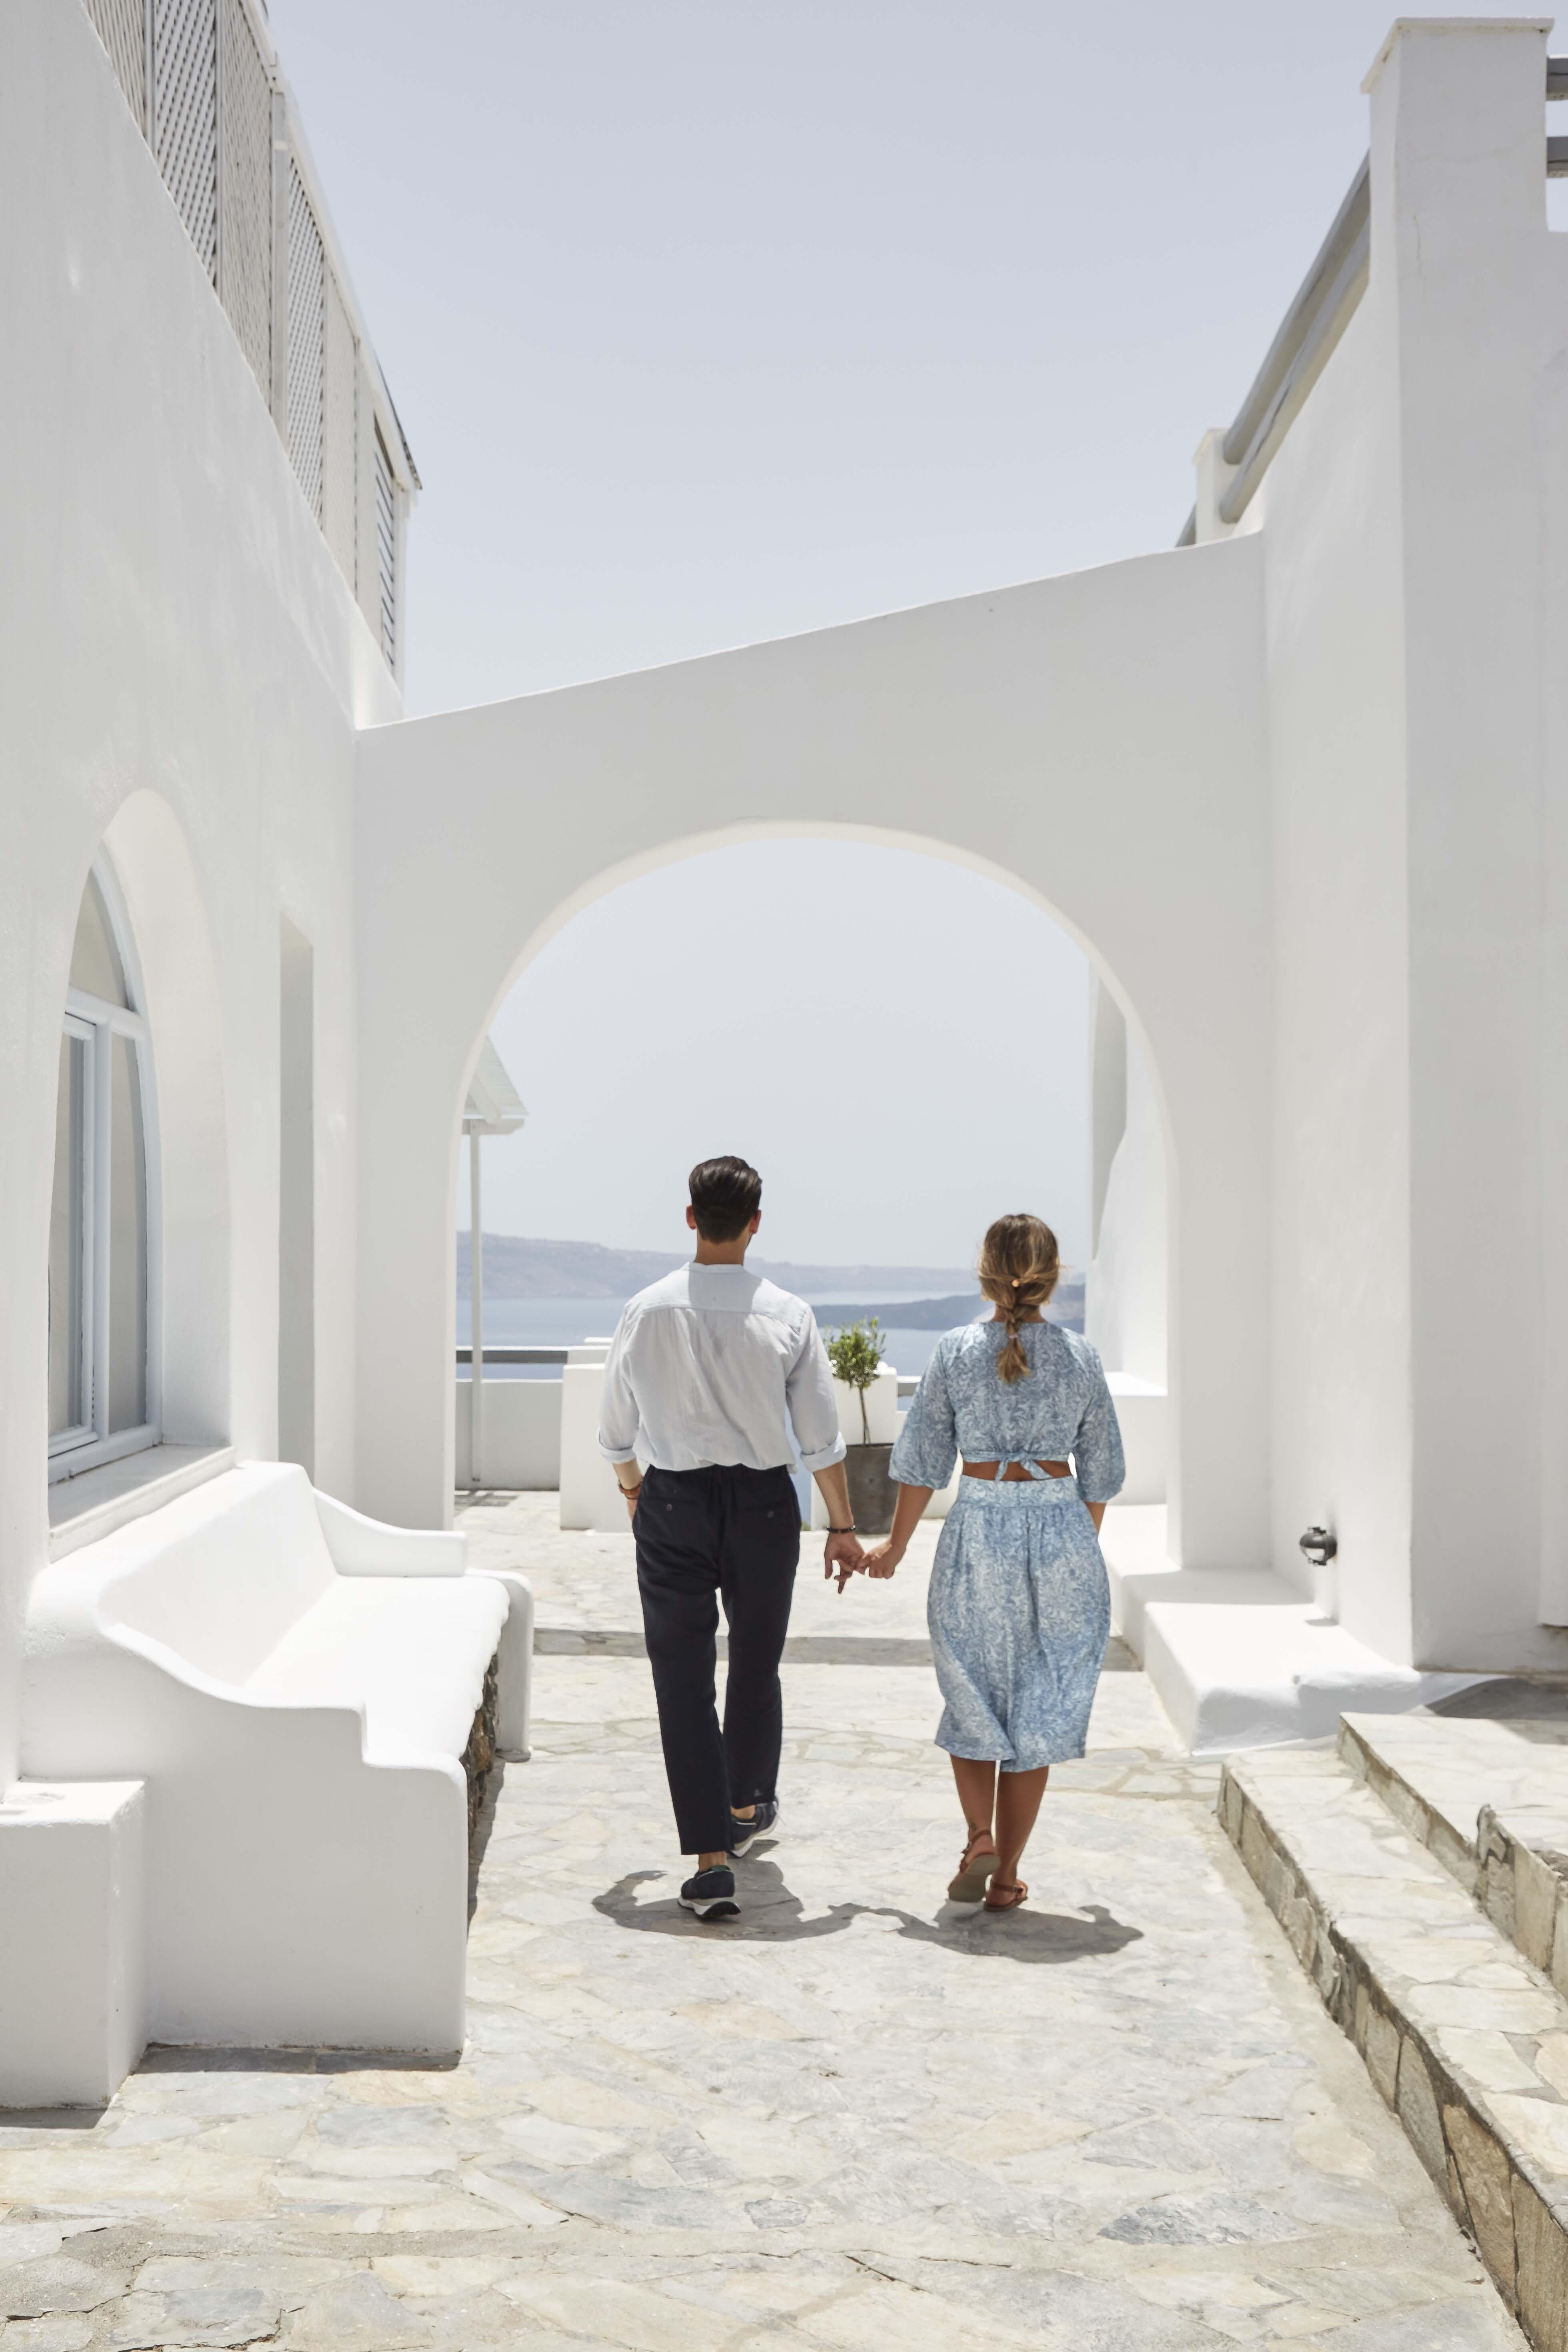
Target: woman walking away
[[1019, 1606]]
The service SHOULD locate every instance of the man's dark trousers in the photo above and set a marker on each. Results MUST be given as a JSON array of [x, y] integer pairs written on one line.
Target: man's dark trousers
[[705, 1536]]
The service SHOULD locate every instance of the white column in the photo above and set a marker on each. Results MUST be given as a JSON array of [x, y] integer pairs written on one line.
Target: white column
[[1468, 296]]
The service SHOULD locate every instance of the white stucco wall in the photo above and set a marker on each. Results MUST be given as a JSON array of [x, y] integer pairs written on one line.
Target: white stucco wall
[[520, 1444], [1098, 740], [178, 652], [1408, 528], [1342, 1273]]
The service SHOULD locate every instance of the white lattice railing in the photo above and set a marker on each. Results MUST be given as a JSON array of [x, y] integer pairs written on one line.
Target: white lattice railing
[[201, 79]]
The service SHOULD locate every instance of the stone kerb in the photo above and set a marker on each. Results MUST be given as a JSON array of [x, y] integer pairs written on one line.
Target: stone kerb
[[1465, 2044]]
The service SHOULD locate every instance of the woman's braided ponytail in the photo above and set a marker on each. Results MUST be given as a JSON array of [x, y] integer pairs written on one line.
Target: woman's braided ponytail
[[1019, 1270]]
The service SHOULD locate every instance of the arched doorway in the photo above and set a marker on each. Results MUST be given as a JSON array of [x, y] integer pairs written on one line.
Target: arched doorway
[[1088, 743], [910, 1058]]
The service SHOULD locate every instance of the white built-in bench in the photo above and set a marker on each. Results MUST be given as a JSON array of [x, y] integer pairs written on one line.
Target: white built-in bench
[[295, 1688]]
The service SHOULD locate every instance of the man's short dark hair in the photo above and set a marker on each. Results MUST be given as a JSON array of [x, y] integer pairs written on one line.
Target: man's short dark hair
[[725, 1196]]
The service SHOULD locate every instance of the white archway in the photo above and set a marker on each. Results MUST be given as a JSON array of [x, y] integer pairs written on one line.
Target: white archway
[[1094, 742], [934, 1013]]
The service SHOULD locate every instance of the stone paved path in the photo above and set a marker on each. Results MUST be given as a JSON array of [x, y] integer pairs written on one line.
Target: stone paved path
[[1118, 2120]]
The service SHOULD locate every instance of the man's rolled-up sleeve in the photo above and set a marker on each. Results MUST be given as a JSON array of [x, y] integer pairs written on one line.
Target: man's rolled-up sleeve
[[618, 1416], [814, 1408]]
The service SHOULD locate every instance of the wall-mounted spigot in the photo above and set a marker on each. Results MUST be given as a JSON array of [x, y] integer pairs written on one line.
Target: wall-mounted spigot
[[1319, 1546]]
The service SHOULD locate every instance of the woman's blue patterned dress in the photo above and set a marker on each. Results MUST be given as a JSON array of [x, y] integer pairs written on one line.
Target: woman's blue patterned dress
[[1019, 1607]]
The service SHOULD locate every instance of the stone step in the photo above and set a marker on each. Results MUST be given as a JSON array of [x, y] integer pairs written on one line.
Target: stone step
[[1465, 2041], [1489, 1800]]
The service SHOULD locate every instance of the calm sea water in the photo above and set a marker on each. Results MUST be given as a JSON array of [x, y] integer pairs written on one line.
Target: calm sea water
[[568, 1322]]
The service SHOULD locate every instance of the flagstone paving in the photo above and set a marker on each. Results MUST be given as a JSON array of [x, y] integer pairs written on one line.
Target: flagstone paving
[[1117, 2120]]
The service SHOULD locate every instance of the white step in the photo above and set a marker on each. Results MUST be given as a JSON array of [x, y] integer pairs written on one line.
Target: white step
[[1239, 1657]]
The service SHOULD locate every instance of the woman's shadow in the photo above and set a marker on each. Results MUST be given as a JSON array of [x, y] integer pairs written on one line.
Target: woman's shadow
[[773, 1914]]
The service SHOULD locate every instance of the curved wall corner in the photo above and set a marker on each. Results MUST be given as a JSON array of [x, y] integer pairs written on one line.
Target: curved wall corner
[[1125, 1295]]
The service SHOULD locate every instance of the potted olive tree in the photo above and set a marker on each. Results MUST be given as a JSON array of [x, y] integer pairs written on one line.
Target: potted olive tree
[[856, 1355]]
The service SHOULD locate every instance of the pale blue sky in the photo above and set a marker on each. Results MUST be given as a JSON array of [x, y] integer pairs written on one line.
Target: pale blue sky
[[710, 320], [713, 320], [859, 1068]]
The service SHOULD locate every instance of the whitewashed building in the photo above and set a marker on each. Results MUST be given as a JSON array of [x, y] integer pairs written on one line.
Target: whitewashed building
[[1295, 784]]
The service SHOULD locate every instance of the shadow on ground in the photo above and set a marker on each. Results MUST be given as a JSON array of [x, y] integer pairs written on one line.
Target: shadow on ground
[[180, 2058], [1510, 1699], [773, 1914]]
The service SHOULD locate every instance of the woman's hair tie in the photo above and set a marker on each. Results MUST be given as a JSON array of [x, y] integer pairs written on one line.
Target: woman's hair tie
[[1017, 1241]]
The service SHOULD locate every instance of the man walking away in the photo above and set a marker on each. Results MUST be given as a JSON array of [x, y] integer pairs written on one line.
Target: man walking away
[[703, 1368]]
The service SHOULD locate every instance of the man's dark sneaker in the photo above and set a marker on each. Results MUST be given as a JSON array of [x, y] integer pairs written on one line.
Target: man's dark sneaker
[[763, 1823], [710, 1893]]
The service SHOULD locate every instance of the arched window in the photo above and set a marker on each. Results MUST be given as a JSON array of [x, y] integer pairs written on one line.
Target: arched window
[[103, 1399]]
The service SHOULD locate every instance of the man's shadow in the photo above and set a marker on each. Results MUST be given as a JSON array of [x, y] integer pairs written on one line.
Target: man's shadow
[[772, 1914]]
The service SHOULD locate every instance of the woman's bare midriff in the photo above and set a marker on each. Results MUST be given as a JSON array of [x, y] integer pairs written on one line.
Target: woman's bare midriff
[[1015, 1470]]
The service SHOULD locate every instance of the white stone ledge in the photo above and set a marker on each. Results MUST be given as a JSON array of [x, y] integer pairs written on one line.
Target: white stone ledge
[[82, 1509]]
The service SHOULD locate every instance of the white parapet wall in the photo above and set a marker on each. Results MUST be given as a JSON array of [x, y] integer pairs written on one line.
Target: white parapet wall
[[519, 1450], [590, 1496]]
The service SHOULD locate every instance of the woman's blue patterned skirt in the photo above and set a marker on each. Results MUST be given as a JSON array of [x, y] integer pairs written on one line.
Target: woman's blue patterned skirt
[[1019, 1611]]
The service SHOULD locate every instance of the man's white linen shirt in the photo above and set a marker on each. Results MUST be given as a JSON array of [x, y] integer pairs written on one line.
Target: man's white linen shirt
[[704, 1367]]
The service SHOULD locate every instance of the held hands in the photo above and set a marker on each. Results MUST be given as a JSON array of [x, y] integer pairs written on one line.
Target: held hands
[[842, 1555]]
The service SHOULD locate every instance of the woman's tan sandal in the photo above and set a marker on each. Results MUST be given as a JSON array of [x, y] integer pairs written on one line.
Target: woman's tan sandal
[[976, 1864], [1011, 1892]]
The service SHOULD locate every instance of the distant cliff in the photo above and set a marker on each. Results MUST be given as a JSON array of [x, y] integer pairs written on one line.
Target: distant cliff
[[519, 1268], [943, 1313]]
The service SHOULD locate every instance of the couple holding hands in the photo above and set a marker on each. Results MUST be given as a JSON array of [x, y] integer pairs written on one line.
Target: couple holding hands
[[707, 1369]]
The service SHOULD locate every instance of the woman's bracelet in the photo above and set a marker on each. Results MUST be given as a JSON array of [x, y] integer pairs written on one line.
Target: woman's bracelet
[[630, 1493]]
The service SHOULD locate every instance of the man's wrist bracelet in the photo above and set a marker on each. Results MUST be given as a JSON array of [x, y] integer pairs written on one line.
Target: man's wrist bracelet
[[844, 1531]]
